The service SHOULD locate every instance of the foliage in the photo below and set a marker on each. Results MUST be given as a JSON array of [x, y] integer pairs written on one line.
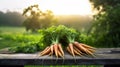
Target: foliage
[[61, 32], [29, 43], [29, 47], [32, 22], [37, 19], [7, 43], [16, 19], [21, 37], [22, 42], [106, 26], [26, 43], [11, 29], [11, 18], [88, 39], [102, 5]]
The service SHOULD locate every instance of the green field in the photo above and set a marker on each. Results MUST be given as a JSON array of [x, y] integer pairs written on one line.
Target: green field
[[14, 36], [6, 29], [4, 42]]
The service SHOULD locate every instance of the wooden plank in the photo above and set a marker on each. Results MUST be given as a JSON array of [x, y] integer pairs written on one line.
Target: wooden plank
[[104, 56]]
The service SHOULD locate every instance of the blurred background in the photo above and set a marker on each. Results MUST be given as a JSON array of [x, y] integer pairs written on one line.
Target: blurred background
[[97, 20]]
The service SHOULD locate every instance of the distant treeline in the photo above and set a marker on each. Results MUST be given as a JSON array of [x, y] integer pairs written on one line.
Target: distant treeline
[[11, 18], [76, 21], [16, 19]]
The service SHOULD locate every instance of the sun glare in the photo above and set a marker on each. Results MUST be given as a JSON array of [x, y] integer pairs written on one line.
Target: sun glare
[[66, 7]]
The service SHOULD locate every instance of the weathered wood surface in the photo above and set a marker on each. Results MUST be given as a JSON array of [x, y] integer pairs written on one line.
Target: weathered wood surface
[[104, 56]]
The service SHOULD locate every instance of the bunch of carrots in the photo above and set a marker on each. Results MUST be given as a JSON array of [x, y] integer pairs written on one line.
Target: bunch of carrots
[[57, 36], [80, 49], [53, 49], [74, 48]]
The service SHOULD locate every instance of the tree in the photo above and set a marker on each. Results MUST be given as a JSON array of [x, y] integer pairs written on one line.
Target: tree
[[37, 19], [48, 19], [106, 26], [32, 22], [11, 18]]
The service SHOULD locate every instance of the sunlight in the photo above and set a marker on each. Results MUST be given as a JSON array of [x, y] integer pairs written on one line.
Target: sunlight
[[66, 7]]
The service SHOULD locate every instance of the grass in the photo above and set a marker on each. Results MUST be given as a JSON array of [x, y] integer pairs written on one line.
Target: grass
[[7, 29], [5, 36], [7, 43], [10, 40], [14, 36]]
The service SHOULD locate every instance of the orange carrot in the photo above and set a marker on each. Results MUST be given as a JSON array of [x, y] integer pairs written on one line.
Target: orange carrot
[[60, 54], [56, 49], [68, 49], [81, 47], [50, 54], [51, 47], [86, 46], [71, 48], [60, 48], [76, 42], [90, 53], [77, 49], [91, 50], [46, 52], [76, 52], [86, 50]]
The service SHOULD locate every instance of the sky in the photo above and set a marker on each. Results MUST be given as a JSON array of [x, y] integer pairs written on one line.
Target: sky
[[81, 7], [16, 5]]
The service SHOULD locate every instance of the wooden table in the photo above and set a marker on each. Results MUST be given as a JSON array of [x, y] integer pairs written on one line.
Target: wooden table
[[104, 56]]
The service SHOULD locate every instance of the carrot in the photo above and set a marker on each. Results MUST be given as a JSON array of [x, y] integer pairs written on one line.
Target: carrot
[[50, 54], [86, 50], [81, 47], [68, 49], [46, 52], [51, 47], [76, 52], [60, 54], [86, 46], [56, 49], [75, 42], [71, 48], [90, 53], [91, 50], [77, 49], [60, 48]]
